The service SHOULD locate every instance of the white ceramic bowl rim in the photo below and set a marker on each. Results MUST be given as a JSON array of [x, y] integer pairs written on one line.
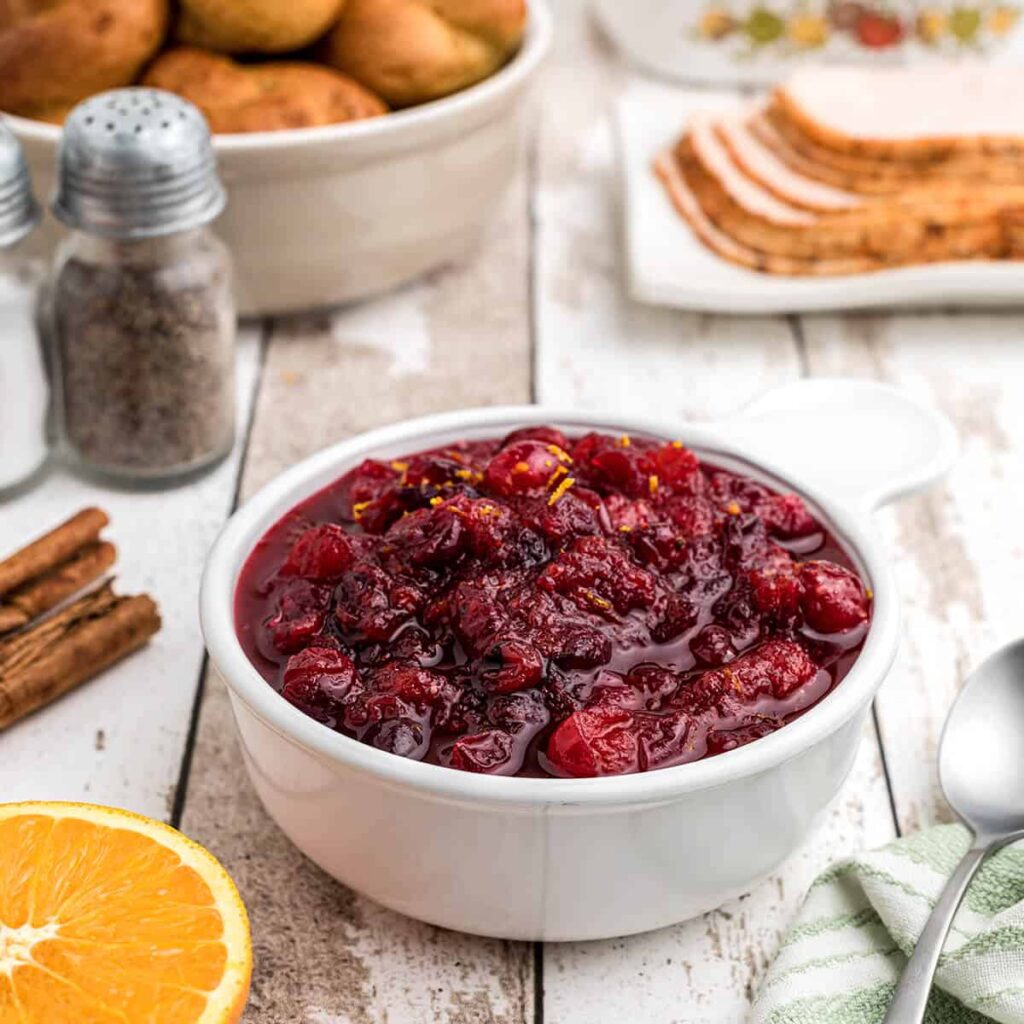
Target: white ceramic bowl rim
[[250, 522], [448, 109]]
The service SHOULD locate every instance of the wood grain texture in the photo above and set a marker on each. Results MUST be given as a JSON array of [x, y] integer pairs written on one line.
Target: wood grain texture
[[595, 348], [325, 955], [120, 738], [956, 550]]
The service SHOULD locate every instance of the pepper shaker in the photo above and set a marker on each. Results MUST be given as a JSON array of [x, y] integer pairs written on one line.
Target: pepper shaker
[[24, 391], [143, 313]]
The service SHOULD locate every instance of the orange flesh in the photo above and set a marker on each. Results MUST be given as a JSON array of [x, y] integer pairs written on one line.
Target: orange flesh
[[109, 924]]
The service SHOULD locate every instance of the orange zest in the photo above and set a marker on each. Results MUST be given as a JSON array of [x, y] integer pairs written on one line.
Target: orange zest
[[107, 916], [560, 490]]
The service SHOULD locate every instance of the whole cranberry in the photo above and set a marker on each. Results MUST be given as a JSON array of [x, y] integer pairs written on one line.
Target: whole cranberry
[[521, 667], [435, 697], [371, 604], [478, 610], [775, 669], [600, 740], [317, 679], [677, 469], [322, 552], [527, 467], [834, 599], [300, 614], [368, 482], [372, 496], [777, 592], [713, 646], [546, 435], [435, 473], [428, 537], [628, 470], [779, 667], [786, 516]]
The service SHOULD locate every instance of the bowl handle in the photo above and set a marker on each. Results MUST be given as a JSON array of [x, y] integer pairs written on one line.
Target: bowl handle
[[859, 442]]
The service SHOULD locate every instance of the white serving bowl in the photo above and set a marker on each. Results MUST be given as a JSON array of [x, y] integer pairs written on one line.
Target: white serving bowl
[[557, 859], [319, 216]]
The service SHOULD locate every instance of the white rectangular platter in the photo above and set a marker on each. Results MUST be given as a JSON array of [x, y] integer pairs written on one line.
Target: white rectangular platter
[[668, 266]]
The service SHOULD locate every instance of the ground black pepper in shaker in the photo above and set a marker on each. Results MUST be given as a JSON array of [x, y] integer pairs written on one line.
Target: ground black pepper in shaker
[[143, 316]]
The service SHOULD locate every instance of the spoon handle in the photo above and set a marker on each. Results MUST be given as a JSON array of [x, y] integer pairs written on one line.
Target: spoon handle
[[915, 984]]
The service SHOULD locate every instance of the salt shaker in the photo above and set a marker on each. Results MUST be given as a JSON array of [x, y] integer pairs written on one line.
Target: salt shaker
[[142, 307], [24, 392]]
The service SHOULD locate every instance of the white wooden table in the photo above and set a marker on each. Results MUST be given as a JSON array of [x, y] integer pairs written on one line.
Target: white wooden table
[[538, 314]]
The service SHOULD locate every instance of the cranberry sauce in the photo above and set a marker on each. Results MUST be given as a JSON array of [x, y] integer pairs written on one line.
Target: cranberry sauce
[[540, 605]]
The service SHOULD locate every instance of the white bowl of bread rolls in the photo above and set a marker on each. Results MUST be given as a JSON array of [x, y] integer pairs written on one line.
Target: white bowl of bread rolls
[[363, 142]]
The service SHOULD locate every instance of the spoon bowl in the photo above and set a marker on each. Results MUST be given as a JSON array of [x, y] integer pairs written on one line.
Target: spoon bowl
[[981, 753]]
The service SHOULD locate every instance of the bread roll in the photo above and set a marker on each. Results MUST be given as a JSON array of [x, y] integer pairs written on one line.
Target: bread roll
[[411, 51], [53, 54], [255, 26], [262, 97]]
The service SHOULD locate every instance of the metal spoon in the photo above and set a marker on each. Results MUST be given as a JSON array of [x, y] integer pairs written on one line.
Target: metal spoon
[[981, 771]]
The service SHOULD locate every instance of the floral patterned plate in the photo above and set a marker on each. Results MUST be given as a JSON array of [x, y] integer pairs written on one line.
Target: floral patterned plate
[[762, 40]]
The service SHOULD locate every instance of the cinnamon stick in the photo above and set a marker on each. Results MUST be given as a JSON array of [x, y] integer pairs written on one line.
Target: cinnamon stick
[[51, 549], [32, 599], [80, 641], [11, 618]]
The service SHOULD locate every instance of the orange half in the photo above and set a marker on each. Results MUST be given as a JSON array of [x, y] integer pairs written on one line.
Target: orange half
[[107, 917]]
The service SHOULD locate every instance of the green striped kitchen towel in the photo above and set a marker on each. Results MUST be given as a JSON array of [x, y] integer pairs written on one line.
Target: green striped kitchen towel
[[839, 962]]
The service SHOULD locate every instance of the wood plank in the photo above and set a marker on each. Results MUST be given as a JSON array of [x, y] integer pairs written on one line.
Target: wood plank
[[597, 350], [325, 955], [957, 550], [120, 738]]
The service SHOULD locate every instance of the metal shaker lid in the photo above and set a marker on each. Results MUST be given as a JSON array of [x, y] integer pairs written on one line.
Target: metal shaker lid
[[19, 211], [135, 163]]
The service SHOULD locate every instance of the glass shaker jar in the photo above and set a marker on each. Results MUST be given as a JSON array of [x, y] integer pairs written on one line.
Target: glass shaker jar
[[24, 391], [142, 308]]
